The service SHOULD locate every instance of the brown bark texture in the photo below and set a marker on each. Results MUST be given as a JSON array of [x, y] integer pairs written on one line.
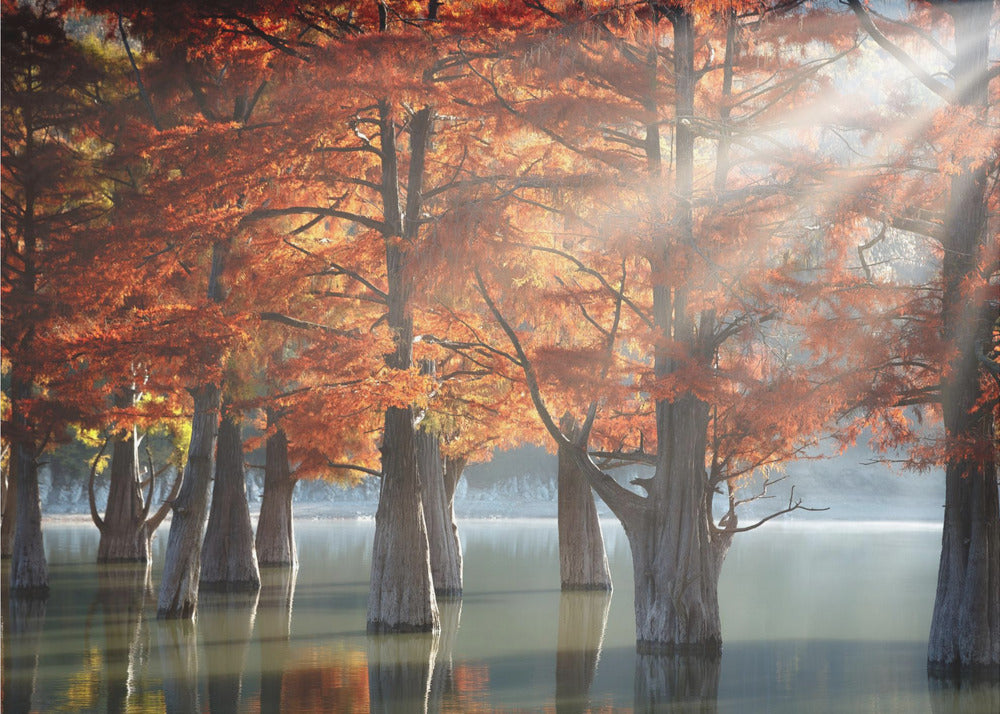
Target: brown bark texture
[[439, 514], [965, 625], [178, 595], [9, 517], [275, 539], [123, 535], [583, 562], [228, 559]]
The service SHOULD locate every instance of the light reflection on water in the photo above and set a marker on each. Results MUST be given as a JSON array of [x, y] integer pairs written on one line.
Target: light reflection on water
[[828, 617]]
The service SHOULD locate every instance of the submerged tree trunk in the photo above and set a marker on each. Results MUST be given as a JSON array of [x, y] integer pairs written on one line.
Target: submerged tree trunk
[[583, 562], [182, 564], [442, 532], [29, 575], [275, 540], [965, 627], [123, 537], [228, 560]]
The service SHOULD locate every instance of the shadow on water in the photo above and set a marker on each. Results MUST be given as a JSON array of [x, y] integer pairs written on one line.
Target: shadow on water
[[274, 629], [583, 617], [22, 639], [122, 593], [226, 621], [677, 683]]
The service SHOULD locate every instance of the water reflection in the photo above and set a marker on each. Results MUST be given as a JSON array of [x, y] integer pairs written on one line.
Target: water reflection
[[179, 655], [399, 671], [22, 638], [121, 596], [583, 617], [677, 682], [972, 694], [226, 621], [274, 628], [443, 683]]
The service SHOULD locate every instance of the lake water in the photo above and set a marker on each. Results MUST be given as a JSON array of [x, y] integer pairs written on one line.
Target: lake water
[[818, 617]]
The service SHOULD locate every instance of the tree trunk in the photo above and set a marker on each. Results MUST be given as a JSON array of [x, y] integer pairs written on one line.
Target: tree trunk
[[442, 532], [965, 627], [275, 539], [9, 509], [29, 571], [123, 536], [583, 617], [182, 564], [228, 560], [675, 559], [401, 596], [583, 562]]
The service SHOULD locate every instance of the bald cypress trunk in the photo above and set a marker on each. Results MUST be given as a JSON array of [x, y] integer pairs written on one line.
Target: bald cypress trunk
[[442, 532], [9, 509], [583, 562], [228, 559], [965, 627], [178, 596], [123, 535], [275, 539]]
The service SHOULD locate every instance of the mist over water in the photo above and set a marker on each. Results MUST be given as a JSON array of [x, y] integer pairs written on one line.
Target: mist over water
[[818, 616]]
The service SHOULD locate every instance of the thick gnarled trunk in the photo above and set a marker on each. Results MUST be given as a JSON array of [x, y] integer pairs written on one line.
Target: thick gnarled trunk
[[178, 595], [228, 559], [583, 562], [442, 531], [275, 539]]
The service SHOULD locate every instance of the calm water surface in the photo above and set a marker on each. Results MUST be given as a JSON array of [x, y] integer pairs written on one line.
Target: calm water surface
[[819, 617]]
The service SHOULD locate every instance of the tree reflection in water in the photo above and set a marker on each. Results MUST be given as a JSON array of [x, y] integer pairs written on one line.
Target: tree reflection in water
[[179, 655], [22, 639], [972, 693], [676, 683], [583, 617], [399, 671], [274, 629], [443, 683], [226, 623], [122, 593]]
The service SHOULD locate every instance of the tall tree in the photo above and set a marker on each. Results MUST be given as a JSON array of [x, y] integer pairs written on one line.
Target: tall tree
[[955, 370]]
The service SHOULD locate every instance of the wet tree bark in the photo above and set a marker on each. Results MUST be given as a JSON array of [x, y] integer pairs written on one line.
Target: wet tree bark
[[965, 626], [29, 575], [275, 540], [583, 562], [401, 596], [442, 532], [182, 565], [228, 559], [583, 617]]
